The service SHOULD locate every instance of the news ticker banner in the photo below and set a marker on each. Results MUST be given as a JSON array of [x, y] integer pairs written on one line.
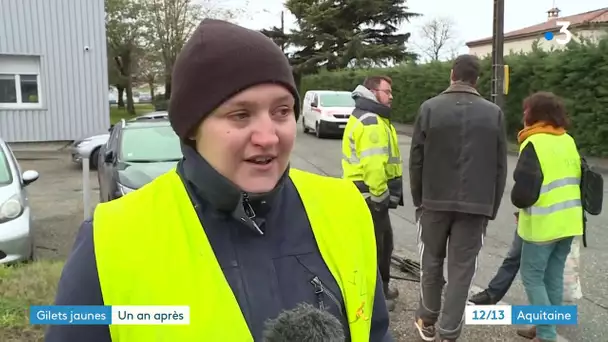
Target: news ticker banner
[[521, 315], [180, 315], [106, 315]]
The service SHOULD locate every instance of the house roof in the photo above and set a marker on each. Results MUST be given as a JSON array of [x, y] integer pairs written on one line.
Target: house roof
[[599, 16]]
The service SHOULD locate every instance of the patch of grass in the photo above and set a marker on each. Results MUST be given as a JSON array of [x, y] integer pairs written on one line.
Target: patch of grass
[[20, 287], [116, 114]]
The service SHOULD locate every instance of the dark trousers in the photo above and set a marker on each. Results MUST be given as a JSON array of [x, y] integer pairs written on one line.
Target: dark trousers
[[384, 243], [462, 236], [500, 284]]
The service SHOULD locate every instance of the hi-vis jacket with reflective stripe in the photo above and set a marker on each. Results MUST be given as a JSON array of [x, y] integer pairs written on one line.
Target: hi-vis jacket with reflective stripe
[[371, 156], [150, 249], [558, 212]]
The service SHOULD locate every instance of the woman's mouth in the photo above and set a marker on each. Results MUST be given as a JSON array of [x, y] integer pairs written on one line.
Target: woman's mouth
[[260, 160]]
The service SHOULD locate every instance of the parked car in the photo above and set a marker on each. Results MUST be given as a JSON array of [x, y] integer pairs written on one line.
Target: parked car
[[137, 152], [326, 111], [145, 98], [161, 114], [16, 236], [90, 146]]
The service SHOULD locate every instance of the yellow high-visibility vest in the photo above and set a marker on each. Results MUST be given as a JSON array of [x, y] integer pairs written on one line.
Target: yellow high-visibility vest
[[151, 249], [371, 140], [558, 212]]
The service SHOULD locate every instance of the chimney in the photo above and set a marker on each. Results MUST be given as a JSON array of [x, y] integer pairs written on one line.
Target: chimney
[[553, 13]]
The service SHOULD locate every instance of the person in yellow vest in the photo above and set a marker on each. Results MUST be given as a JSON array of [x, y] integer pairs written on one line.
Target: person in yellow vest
[[232, 232], [372, 160], [547, 193]]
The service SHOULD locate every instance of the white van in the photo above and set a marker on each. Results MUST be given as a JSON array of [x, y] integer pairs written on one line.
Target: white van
[[326, 111]]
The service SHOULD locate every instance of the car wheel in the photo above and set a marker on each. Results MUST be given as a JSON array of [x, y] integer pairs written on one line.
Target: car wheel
[[318, 132], [306, 129], [94, 159]]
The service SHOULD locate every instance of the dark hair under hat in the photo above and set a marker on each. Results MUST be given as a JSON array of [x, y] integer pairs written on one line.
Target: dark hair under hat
[[218, 61]]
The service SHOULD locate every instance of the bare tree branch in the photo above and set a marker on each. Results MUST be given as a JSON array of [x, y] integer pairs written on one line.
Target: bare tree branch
[[439, 38], [171, 23]]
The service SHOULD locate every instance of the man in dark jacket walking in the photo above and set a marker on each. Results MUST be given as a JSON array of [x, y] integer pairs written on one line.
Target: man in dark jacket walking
[[458, 170]]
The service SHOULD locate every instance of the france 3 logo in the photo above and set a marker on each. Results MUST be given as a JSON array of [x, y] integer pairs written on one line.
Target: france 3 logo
[[563, 25]]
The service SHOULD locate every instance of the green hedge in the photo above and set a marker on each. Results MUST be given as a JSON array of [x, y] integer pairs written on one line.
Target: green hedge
[[579, 74]]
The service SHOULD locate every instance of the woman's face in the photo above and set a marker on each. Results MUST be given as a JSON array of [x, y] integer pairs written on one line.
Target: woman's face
[[249, 138]]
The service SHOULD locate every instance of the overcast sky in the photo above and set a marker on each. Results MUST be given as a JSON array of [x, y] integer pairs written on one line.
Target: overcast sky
[[473, 21]]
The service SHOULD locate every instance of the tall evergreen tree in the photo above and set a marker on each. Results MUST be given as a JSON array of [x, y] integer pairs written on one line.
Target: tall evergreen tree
[[336, 34]]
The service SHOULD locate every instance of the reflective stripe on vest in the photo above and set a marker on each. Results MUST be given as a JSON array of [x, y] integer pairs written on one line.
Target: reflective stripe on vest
[[151, 249], [567, 204], [371, 119], [558, 211], [393, 184]]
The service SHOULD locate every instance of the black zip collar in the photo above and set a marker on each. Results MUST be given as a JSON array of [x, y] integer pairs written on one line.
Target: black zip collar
[[208, 186], [372, 106]]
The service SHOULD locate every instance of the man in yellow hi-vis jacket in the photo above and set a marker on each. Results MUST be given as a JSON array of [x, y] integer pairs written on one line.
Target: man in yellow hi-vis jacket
[[371, 159]]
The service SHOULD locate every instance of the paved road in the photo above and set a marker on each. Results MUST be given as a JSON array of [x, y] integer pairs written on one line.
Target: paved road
[[323, 156]]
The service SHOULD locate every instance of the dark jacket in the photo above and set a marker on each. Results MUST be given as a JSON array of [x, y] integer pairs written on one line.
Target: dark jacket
[[268, 272], [458, 156]]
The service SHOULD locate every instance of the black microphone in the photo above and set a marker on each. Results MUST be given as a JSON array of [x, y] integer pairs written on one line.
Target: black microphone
[[304, 323]]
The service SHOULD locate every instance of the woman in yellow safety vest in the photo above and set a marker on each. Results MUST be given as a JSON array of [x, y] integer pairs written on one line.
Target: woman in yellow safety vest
[[232, 232], [547, 193]]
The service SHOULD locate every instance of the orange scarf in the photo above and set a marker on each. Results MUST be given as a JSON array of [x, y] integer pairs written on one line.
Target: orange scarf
[[539, 127]]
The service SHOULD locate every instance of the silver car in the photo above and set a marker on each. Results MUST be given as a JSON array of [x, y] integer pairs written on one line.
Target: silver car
[[88, 148], [16, 238]]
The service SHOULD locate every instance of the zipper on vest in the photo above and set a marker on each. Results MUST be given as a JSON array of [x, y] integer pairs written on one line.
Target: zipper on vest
[[250, 212], [320, 290]]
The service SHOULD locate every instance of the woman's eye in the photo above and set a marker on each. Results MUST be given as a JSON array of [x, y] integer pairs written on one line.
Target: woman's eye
[[285, 111], [239, 116]]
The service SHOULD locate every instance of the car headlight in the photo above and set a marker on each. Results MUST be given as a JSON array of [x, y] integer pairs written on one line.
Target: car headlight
[[11, 209], [84, 142], [124, 190]]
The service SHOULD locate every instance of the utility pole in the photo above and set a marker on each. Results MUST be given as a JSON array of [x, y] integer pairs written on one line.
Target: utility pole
[[283, 30], [498, 40]]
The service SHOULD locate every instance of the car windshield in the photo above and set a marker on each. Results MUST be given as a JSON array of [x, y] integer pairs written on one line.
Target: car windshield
[[150, 144], [337, 100], [6, 177]]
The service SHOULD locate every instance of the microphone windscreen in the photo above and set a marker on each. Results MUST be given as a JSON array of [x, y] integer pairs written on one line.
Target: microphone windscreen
[[304, 323]]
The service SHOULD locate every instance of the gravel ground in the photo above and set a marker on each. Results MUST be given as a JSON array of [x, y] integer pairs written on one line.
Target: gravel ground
[[56, 201]]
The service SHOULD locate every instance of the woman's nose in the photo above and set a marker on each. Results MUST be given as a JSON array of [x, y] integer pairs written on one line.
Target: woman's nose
[[264, 133]]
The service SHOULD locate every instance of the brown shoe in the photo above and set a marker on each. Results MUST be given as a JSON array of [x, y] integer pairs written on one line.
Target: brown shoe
[[390, 293], [529, 333], [426, 331]]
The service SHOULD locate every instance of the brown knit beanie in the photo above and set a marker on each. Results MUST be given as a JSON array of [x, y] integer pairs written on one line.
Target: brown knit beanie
[[218, 61]]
